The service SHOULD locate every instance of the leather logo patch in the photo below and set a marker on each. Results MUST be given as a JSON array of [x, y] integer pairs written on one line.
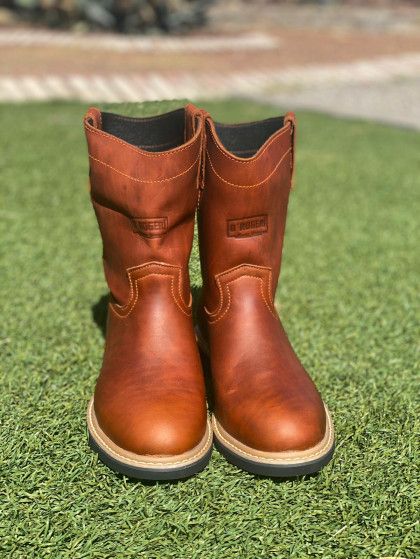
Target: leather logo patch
[[150, 226], [248, 226]]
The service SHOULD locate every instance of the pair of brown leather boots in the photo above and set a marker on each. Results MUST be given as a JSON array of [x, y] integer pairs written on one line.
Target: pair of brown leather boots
[[148, 417]]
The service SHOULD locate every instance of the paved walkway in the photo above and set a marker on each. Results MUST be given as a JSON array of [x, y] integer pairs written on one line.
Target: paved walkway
[[129, 43], [382, 87], [395, 102]]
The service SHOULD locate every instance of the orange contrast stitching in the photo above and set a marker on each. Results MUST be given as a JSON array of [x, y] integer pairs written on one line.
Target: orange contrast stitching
[[142, 180], [269, 306], [90, 129], [257, 156], [135, 287], [248, 185], [229, 271], [133, 304]]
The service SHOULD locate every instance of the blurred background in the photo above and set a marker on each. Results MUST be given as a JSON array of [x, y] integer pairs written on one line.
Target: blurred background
[[349, 283], [345, 57]]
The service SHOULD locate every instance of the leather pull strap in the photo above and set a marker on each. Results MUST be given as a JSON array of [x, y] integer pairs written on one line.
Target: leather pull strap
[[93, 117], [290, 118], [193, 118], [190, 120], [204, 115]]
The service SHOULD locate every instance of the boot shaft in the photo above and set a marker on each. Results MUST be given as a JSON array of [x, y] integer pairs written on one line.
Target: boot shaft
[[243, 207], [144, 179]]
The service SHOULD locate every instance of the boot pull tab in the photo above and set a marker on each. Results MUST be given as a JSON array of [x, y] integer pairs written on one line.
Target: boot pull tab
[[93, 118], [290, 119], [204, 115]]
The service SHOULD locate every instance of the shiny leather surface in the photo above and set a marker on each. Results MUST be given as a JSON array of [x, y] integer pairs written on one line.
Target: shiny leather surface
[[263, 396], [150, 396]]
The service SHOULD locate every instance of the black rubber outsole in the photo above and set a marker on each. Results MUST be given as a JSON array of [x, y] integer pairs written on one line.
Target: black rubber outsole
[[274, 470], [152, 474]]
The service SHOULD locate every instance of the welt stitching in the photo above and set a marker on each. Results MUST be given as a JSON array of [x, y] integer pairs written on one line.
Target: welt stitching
[[111, 138], [274, 460], [248, 185], [225, 154], [142, 180], [131, 461]]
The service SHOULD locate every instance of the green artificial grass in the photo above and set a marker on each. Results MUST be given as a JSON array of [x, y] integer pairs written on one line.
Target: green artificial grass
[[347, 297]]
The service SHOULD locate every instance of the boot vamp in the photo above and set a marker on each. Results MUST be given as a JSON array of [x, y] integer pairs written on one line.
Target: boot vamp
[[150, 396], [264, 397]]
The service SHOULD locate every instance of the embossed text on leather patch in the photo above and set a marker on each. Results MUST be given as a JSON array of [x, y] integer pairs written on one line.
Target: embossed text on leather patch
[[247, 226], [150, 226]]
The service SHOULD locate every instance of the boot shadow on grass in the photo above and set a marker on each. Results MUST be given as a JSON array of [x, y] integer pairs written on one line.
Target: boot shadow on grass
[[100, 312]]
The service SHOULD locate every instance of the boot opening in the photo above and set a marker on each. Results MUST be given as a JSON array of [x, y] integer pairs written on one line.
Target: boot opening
[[157, 133], [244, 140]]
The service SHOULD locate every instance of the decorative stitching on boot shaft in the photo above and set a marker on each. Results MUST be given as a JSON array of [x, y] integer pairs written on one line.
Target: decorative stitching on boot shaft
[[144, 180], [240, 272], [248, 185], [255, 158], [91, 130], [123, 311]]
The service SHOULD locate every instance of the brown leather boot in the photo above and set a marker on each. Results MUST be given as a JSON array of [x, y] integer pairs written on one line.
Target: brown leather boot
[[269, 418], [148, 416]]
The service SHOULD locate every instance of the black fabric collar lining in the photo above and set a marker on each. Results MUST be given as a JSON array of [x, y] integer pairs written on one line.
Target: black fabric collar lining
[[244, 140], [157, 133]]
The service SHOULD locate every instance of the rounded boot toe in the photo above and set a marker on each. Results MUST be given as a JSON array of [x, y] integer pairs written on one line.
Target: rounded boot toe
[[160, 431], [284, 431]]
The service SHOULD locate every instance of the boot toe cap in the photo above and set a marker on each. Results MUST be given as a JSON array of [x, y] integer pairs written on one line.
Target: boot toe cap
[[158, 431], [297, 431], [279, 430]]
